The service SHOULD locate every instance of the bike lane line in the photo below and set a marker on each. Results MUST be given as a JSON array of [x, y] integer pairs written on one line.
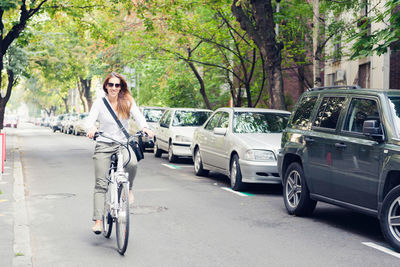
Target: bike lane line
[[382, 249], [171, 166], [236, 192]]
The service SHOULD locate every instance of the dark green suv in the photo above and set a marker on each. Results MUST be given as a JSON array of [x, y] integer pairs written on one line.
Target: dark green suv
[[342, 146]]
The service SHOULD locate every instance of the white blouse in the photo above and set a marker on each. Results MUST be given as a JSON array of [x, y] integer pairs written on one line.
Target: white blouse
[[108, 125]]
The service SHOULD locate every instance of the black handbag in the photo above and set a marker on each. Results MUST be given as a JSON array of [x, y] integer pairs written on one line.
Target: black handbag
[[136, 147]]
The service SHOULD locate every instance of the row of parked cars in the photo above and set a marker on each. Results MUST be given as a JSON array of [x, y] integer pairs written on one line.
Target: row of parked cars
[[69, 123], [340, 145]]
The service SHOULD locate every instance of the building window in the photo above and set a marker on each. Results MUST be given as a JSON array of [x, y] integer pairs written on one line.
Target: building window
[[364, 75], [330, 81]]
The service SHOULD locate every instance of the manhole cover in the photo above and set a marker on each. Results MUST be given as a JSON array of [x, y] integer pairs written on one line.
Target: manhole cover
[[143, 210], [53, 196]]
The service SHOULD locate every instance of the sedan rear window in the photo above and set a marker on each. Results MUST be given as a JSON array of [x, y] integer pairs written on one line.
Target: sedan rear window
[[190, 118], [259, 122]]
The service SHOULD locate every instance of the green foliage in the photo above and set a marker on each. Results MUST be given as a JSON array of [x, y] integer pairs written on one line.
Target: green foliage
[[378, 41]]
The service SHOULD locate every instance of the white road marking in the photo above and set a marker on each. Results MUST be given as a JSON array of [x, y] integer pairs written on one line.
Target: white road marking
[[232, 191], [150, 190], [169, 166], [184, 166], [383, 249]]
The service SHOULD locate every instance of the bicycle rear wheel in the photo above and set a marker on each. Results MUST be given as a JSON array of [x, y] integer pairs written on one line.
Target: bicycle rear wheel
[[107, 219], [122, 222]]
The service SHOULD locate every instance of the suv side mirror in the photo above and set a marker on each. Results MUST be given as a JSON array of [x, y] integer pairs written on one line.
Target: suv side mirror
[[163, 124], [372, 128]]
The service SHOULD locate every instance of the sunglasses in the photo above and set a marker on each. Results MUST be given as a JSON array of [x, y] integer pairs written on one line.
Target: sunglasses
[[117, 85]]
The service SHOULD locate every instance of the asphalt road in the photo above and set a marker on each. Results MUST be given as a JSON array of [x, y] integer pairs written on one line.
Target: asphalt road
[[179, 219]]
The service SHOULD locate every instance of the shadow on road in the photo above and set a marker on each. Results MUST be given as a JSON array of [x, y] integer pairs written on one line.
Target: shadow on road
[[350, 221]]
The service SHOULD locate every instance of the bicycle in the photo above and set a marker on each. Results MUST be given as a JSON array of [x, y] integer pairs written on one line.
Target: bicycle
[[116, 201]]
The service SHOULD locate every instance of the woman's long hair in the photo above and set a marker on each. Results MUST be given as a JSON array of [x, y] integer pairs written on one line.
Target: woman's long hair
[[125, 99]]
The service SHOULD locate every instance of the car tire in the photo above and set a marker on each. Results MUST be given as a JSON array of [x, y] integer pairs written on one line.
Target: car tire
[[390, 215], [235, 174], [171, 157], [157, 151], [295, 192], [198, 164]]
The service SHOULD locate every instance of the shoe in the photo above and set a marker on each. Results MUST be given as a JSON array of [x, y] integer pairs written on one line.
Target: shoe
[[97, 229], [131, 197]]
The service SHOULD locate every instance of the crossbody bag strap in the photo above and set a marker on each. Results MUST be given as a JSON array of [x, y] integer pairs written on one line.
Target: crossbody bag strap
[[116, 118]]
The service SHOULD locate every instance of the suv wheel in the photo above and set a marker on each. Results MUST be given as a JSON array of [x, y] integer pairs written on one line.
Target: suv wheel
[[390, 218], [295, 192], [236, 174], [198, 164]]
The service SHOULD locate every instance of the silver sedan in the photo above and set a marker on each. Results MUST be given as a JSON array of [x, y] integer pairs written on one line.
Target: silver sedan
[[241, 143]]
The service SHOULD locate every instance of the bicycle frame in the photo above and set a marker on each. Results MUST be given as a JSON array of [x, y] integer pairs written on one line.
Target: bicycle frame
[[116, 204], [117, 176]]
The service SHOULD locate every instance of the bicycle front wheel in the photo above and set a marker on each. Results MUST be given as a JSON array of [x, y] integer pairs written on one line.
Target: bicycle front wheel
[[122, 222], [107, 219]]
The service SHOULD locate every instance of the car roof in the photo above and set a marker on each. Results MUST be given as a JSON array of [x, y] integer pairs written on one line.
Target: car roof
[[190, 109], [149, 107], [246, 109], [353, 91]]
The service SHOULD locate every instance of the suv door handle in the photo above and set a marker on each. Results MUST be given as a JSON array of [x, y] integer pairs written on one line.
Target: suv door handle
[[340, 145], [309, 139]]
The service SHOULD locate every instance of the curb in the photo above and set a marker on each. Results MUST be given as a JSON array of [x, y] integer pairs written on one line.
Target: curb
[[22, 247]]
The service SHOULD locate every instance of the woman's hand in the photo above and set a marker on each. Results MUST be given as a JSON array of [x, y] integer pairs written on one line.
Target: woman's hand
[[148, 132], [90, 133]]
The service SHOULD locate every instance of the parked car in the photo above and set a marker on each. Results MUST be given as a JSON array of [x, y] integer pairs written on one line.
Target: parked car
[[10, 121], [342, 147], [56, 123], [152, 116], [67, 124], [174, 131], [241, 143], [79, 125]]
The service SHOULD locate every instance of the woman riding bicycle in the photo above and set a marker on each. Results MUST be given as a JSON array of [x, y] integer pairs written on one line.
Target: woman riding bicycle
[[124, 106]]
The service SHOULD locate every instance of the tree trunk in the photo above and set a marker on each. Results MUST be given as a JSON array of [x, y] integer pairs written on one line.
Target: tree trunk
[[65, 100], [4, 100], [81, 96], [316, 57], [86, 86], [201, 82], [263, 35]]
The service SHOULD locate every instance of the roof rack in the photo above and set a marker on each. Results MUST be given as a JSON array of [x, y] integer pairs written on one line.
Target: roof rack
[[335, 87]]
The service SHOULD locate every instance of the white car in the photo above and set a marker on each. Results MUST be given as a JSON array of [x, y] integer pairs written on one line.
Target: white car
[[174, 131], [152, 116], [241, 143], [79, 125]]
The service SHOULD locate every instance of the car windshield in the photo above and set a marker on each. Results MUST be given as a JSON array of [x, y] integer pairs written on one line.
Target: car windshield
[[82, 116], [152, 115], [190, 118], [395, 109], [259, 122]]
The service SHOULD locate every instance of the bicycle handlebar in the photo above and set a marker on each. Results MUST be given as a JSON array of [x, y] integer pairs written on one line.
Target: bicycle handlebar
[[100, 133], [138, 134]]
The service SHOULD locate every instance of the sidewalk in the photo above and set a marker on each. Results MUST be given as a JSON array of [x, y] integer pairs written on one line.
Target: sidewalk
[[14, 237]]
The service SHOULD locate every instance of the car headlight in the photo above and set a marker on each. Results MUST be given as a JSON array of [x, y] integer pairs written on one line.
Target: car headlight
[[260, 155], [182, 138]]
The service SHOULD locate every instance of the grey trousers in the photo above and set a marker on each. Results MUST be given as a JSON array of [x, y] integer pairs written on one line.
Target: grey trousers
[[102, 159]]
